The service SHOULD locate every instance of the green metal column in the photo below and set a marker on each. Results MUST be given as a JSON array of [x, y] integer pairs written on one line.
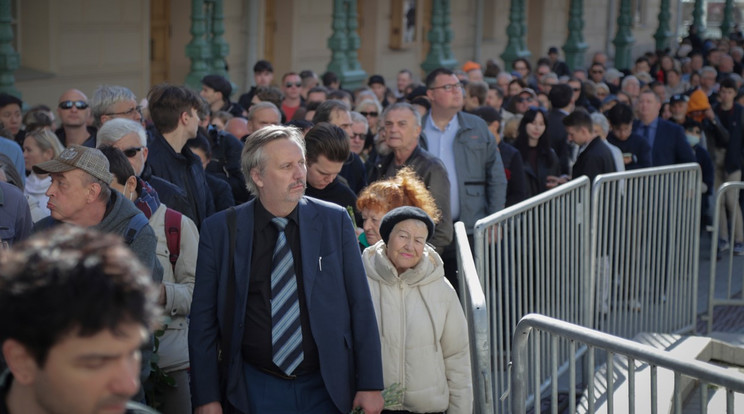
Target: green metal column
[[727, 25], [624, 40], [439, 36], [220, 48], [515, 47], [663, 34], [198, 49], [575, 46], [9, 58], [338, 41], [355, 75], [697, 17]]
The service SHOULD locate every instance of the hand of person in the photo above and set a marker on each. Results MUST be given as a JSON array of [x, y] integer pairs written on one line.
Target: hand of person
[[211, 408], [710, 114], [553, 181], [371, 402]]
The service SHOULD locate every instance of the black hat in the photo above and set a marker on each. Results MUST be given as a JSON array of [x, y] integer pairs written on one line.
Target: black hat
[[376, 79], [219, 84], [399, 214], [263, 66]]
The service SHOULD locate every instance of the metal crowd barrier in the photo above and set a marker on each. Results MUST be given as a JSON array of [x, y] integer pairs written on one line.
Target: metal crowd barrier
[[639, 357], [645, 250], [474, 306], [728, 259], [534, 257]]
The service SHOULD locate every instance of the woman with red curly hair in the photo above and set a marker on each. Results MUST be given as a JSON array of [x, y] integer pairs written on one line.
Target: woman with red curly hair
[[405, 189]]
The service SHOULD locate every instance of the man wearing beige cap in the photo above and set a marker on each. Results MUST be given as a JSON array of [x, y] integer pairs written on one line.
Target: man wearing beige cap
[[80, 195]]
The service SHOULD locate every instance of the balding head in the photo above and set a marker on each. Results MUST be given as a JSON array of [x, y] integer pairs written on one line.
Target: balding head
[[68, 109], [238, 127]]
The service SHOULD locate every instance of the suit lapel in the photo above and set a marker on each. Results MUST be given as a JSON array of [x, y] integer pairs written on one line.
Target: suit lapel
[[310, 238], [243, 252]]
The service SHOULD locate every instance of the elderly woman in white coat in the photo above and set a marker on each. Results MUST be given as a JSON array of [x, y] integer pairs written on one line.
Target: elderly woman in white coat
[[422, 327]]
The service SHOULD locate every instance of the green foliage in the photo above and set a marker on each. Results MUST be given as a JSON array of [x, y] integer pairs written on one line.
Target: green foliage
[[159, 381]]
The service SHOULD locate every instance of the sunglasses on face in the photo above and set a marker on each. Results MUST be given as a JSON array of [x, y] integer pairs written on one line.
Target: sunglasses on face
[[291, 84], [521, 99], [70, 104], [131, 152], [359, 136], [374, 113]]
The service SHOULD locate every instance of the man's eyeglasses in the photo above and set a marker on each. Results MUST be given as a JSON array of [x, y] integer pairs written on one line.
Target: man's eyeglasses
[[374, 113], [523, 99], [359, 136], [448, 88], [77, 104], [598, 72], [129, 112], [291, 84], [131, 152]]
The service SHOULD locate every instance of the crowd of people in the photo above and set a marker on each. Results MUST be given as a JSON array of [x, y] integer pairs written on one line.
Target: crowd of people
[[258, 219]]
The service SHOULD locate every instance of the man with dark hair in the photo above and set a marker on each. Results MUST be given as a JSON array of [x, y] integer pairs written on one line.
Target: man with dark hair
[[216, 89], [10, 116], [317, 94], [636, 152], [305, 252], [560, 97], [595, 157], [403, 131], [330, 80], [338, 113], [558, 66], [291, 88], [174, 112], [263, 75], [327, 149], [309, 81], [470, 155], [81, 307]]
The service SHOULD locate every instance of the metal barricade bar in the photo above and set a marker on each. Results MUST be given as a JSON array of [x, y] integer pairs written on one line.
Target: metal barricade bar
[[633, 351], [727, 300], [474, 305]]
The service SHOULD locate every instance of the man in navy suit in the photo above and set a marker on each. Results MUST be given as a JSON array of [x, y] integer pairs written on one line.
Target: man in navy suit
[[666, 139], [339, 364]]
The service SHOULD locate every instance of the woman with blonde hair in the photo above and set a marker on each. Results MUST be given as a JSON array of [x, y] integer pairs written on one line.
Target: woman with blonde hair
[[405, 189], [39, 145]]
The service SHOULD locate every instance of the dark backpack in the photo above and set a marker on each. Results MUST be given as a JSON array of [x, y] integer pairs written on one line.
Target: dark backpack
[[136, 224]]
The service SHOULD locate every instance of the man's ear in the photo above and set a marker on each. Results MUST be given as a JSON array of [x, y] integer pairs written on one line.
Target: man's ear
[[94, 189], [256, 177], [20, 362]]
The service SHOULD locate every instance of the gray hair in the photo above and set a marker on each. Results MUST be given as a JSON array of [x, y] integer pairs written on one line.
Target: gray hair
[[116, 129], [403, 105], [628, 79], [106, 96], [263, 105], [253, 151], [357, 118], [367, 101], [601, 121], [505, 75], [708, 69]]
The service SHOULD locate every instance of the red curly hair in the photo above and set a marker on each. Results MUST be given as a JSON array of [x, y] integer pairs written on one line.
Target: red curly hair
[[405, 189]]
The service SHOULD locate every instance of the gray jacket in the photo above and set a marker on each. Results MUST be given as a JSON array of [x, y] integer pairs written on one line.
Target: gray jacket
[[481, 180], [432, 172]]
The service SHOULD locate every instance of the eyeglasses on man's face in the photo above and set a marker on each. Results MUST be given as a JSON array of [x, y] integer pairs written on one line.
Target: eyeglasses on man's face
[[449, 87], [128, 112], [291, 84]]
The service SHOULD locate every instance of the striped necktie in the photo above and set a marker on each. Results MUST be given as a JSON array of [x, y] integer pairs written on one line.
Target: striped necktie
[[286, 332]]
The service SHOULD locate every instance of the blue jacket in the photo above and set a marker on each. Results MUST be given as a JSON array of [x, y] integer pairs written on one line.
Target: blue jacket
[[480, 172], [670, 144], [342, 317], [183, 169], [15, 216]]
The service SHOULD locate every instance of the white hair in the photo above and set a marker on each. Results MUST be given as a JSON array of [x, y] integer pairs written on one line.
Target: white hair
[[116, 129]]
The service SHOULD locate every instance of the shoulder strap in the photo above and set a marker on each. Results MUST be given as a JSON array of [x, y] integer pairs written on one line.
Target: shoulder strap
[[173, 235], [136, 223], [229, 315]]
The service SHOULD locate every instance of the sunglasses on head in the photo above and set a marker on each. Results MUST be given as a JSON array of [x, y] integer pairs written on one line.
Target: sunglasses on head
[[131, 152], [70, 104], [291, 84], [374, 113]]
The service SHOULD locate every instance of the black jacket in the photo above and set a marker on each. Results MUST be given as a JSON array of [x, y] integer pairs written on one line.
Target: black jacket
[[537, 175], [516, 181], [183, 169], [558, 137], [225, 161], [596, 159]]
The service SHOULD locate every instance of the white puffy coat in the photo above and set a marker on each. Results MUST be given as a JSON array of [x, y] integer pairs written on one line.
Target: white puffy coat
[[423, 332], [179, 287]]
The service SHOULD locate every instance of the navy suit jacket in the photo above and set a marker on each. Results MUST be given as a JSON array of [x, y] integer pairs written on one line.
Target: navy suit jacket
[[670, 144], [342, 318]]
